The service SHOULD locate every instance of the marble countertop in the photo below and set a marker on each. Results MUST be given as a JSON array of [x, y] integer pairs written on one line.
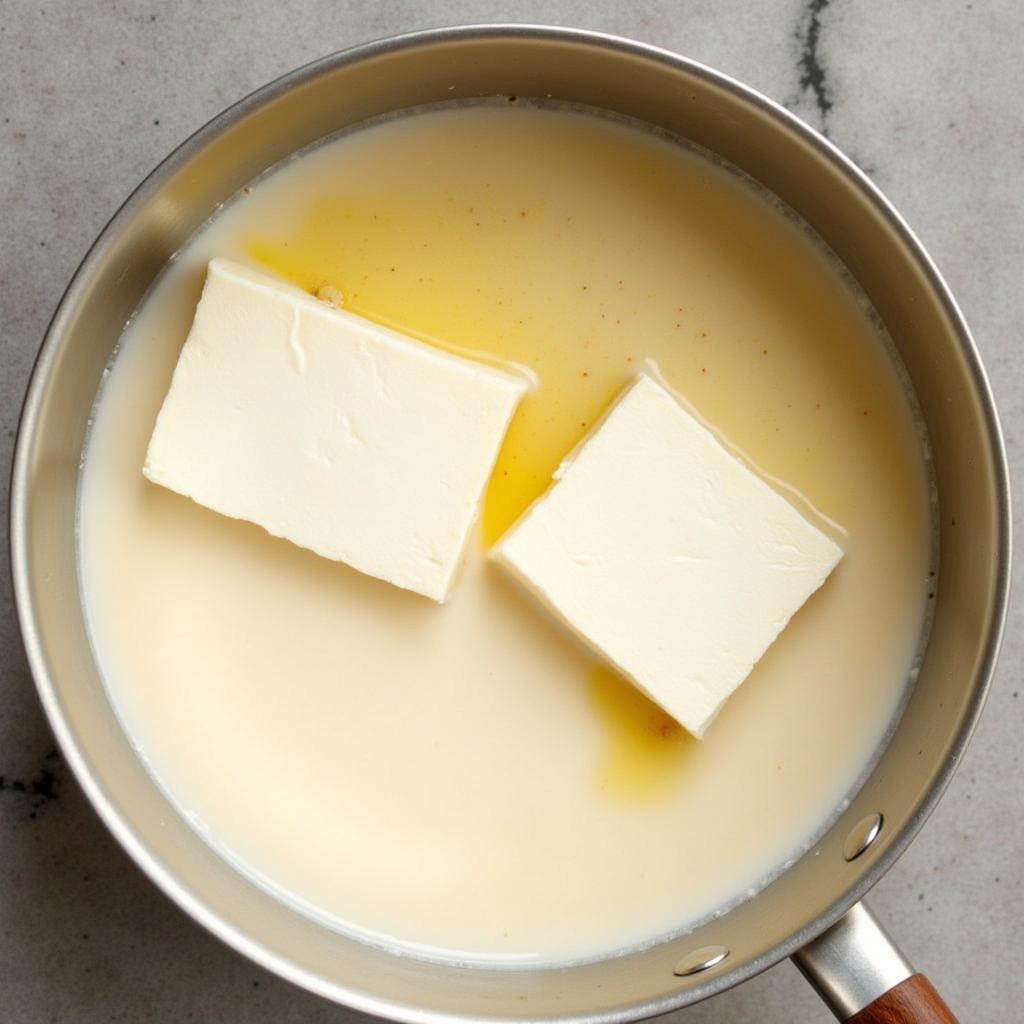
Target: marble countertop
[[924, 94]]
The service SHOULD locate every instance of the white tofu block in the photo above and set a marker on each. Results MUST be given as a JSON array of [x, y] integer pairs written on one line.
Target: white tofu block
[[340, 435], [667, 555]]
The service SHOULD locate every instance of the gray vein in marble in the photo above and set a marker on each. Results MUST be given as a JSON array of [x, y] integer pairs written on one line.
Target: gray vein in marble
[[813, 76]]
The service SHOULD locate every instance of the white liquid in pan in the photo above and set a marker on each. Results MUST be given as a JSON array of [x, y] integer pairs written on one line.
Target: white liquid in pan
[[466, 780]]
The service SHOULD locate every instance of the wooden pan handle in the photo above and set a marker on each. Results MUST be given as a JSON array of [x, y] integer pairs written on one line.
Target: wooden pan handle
[[913, 1001], [864, 978]]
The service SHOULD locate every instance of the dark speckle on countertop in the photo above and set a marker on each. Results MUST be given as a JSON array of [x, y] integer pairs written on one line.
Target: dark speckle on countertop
[[35, 792]]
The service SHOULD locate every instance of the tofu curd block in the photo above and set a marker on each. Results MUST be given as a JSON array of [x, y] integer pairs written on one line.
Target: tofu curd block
[[329, 430], [668, 555]]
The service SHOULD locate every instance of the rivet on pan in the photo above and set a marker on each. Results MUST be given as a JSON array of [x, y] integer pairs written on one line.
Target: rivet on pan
[[700, 960], [862, 835]]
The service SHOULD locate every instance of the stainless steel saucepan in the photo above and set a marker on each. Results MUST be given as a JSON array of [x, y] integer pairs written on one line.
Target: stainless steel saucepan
[[812, 911]]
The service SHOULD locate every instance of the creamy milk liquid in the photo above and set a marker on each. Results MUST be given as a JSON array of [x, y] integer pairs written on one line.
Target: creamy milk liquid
[[466, 780]]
